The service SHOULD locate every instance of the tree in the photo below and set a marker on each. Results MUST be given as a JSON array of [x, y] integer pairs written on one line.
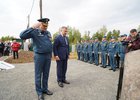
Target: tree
[[74, 35], [103, 30], [86, 36], [70, 34], [100, 33], [77, 36], [109, 35], [7, 38], [54, 35], [116, 33]]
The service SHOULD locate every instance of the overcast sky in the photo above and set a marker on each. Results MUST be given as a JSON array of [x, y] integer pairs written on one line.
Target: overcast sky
[[85, 15]]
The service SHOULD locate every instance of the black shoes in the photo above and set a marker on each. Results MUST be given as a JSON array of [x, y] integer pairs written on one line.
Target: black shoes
[[40, 97], [60, 84], [104, 66], [114, 70], [48, 92], [66, 82], [110, 69]]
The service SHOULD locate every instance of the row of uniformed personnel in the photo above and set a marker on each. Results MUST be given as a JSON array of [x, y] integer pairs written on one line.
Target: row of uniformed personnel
[[112, 52]]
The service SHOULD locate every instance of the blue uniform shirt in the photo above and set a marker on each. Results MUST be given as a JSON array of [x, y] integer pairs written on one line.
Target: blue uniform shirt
[[90, 47], [85, 49], [122, 48], [81, 47], [78, 47], [96, 47], [41, 40], [113, 48], [104, 46]]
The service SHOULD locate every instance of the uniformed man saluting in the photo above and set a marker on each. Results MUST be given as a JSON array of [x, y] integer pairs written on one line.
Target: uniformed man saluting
[[42, 47]]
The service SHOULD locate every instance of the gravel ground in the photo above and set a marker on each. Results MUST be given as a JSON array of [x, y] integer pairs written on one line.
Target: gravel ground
[[88, 82]]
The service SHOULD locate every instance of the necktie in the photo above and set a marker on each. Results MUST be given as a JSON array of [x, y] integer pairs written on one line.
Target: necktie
[[66, 40]]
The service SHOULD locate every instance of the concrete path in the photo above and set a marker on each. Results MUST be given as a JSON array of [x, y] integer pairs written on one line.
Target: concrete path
[[88, 82]]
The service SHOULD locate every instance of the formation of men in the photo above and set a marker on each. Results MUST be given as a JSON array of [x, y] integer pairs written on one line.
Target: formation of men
[[107, 53]]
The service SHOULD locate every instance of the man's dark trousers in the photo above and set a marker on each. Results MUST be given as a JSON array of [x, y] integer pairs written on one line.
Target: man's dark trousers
[[15, 54], [42, 68], [61, 70]]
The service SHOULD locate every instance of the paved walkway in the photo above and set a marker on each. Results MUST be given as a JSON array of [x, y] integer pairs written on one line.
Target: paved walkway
[[88, 82]]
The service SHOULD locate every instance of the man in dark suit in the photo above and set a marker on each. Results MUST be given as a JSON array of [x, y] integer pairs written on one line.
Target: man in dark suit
[[61, 53]]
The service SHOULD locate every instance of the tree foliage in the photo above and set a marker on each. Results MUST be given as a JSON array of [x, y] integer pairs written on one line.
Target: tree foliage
[[7, 38], [100, 33], [97, 35], [74, 35], [86, 36], [116, 33], [109, 35], [54, 35], [103, 32]]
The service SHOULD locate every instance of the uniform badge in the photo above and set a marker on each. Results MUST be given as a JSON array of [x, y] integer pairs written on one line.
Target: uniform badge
[[113, 46], [40, 34], [49, 36], [105, 44]]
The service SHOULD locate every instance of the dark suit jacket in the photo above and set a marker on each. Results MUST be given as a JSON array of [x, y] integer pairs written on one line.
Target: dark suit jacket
[[60, 48]]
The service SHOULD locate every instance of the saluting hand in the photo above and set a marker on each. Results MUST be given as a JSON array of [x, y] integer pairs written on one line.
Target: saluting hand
[[37, 25]]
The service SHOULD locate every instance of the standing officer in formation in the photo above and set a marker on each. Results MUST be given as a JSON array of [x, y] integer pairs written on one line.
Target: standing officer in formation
[[104, 46], [122, 45], [117, 55], [42, 46], [78, 48], [81, 50], [96, 48], [85, 49], [93, 58], [112, 51], [108, 50], [90, 50], [122, 50], [61, 53]]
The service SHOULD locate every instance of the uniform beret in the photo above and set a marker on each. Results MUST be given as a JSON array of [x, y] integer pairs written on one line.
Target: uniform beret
[[112, 37], [125, 35], [44, 20]]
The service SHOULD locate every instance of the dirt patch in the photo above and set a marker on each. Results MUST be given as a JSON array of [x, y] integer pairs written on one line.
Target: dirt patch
[[24, 57], [28, 56]]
